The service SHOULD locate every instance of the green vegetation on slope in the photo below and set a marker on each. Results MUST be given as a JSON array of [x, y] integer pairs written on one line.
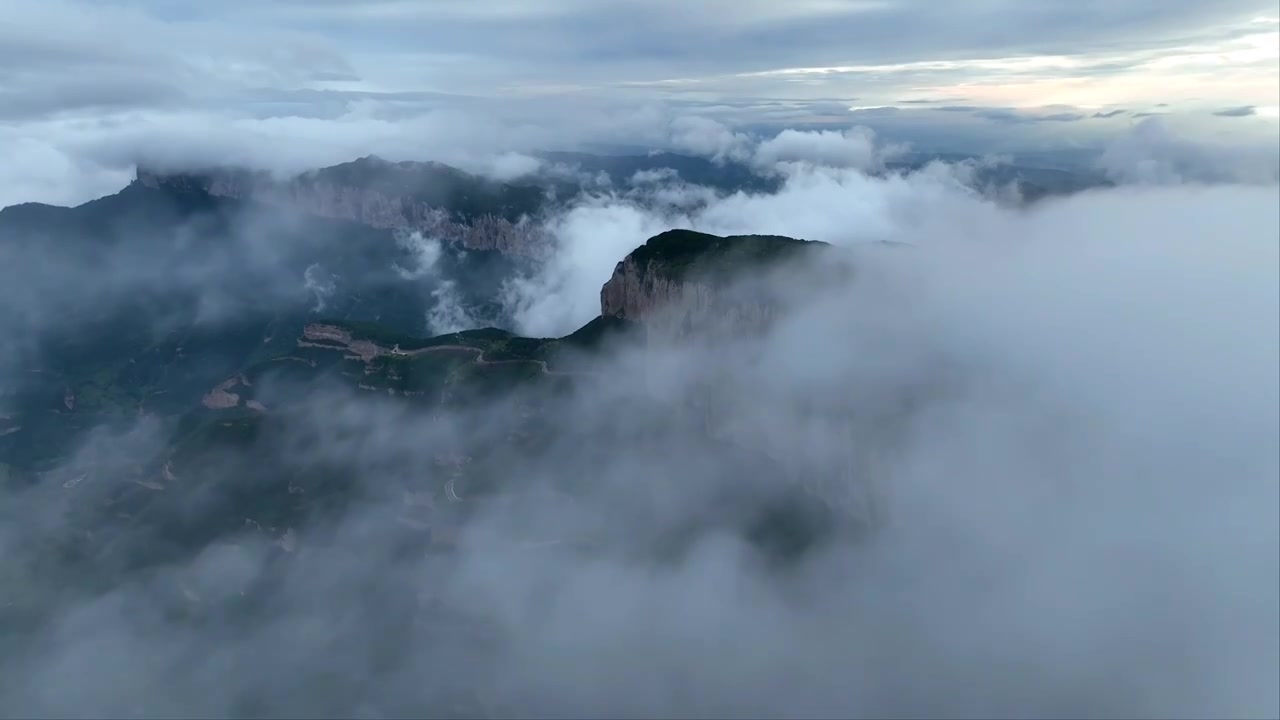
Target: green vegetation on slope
[[596, 333], [389, 338], [464, 195], [681, 253]]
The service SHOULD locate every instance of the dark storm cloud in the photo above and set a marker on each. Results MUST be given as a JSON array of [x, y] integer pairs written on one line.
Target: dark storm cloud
[[1002, 115], [750, 36], [1061, 117], [1015, 116], [449, 45], [165, 57], [100, 94], [1242, 111]]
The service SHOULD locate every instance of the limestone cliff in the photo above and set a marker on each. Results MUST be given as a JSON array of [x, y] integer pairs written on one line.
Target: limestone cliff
[[436, 199], [681, 283]]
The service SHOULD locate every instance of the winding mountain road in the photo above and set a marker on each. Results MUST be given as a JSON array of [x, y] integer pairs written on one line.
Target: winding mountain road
[[480, 359]]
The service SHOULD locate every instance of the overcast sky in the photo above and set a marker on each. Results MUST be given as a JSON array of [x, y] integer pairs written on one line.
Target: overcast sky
[[88, 84]]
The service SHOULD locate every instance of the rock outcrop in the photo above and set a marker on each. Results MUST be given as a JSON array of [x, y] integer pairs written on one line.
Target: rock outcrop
[[435, 199], [682, 283], [674, 308], [221, 396]]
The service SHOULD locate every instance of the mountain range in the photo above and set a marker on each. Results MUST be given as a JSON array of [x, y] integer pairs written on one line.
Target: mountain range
[[172, 344], [166, 300]]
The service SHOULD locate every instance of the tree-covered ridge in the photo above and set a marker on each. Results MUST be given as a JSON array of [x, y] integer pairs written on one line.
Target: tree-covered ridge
[[463, 194], [679, 254]]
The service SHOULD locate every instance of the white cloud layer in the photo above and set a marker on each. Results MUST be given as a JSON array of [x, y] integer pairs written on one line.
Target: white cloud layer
[[295, 85], [827, 195]]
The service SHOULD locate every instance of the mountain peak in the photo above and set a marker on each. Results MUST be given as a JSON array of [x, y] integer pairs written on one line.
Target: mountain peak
[[687, 266]]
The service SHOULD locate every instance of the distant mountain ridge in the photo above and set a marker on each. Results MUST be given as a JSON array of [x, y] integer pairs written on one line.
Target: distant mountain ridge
[[481, 213], [436, 199], [444, 202]]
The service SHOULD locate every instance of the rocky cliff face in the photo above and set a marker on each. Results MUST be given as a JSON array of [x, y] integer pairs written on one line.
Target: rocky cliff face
[[654, 287], [385, 200], [634, 291], [672, 308]]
